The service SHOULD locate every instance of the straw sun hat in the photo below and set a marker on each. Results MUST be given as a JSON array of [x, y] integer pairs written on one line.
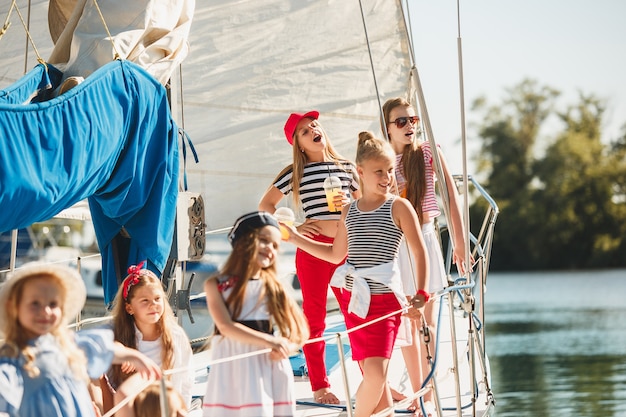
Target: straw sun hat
[[75, 293]]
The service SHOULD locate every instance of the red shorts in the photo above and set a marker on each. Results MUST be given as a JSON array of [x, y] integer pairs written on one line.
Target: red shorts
[[375, 340]]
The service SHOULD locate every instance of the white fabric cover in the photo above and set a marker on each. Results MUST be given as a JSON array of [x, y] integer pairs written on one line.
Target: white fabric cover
[[151, 33]]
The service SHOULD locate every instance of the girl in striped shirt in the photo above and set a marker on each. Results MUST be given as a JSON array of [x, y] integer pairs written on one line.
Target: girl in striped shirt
[[314, 160], [369, 281]]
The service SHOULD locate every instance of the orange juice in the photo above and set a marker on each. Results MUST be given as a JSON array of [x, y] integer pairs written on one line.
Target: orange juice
[[332, 187], [284, 215]]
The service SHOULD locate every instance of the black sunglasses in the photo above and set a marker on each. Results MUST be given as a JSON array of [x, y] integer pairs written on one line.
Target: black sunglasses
[[402, 121]]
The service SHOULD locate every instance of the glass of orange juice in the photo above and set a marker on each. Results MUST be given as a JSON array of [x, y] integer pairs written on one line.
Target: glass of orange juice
[[284, 215], [332, 187]]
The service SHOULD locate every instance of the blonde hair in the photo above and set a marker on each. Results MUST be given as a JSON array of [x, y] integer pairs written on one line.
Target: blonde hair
[[16, 341], [300, 160], [412, 160], [148, 402], [284, 312], [370, 147], [124, 323]]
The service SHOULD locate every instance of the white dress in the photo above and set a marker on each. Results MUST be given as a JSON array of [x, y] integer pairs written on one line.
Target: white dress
[[255, 386]]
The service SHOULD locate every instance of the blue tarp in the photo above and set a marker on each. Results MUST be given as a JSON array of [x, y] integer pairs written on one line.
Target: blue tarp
[[110, 139]]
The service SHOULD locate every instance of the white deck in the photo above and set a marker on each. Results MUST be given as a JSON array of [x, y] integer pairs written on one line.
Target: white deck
[[445, 378]]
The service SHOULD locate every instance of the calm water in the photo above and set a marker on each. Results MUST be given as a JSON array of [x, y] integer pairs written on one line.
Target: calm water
[[557, 343]]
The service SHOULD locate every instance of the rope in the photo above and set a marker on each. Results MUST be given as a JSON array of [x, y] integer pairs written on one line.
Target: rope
[[369, 52], [7, 22], [126, 400], [106, 27], [309, 341], [30, 39]]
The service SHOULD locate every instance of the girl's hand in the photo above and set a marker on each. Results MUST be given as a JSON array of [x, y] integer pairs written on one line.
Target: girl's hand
[[458, 258], [280, 348], [418, 301], [309, 228], [132, 358], [127, 368], [341, 199], [146, 367], [414, 313]]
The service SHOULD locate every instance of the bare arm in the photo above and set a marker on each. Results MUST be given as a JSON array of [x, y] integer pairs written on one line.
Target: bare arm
[[270, 199], [129, 357], [231, 329], [457, 229], [334, 252], [406, 218]]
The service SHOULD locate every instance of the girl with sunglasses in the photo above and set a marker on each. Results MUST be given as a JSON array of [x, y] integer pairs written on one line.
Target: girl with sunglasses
[[314, 160], [415, 178]]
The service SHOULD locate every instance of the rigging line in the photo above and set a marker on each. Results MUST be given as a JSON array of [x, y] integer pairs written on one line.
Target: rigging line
[[29, 38], [441, 179], [131, 396], [106, 27], [408, 33], [466, 220], [7, 21], [369, 52], [418, 94], [408, 28]]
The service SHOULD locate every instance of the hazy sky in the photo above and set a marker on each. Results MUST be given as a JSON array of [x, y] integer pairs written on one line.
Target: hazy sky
[[569, 45]]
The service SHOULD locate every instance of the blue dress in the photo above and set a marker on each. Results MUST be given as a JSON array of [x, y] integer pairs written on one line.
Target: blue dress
[[56, 391]]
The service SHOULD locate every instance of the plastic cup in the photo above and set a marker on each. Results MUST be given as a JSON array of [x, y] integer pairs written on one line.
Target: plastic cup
[[285, 215], [332, 187]]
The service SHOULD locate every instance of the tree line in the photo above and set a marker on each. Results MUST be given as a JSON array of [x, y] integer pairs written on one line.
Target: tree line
[[562, 196]]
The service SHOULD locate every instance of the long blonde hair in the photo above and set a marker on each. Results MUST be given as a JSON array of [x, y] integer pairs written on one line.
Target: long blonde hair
[[285, 313], [412, 160], [300, 160], [124, 323], [16, 341]]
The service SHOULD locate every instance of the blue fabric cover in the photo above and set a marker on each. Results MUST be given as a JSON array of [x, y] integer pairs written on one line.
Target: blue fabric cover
[[111, 139]]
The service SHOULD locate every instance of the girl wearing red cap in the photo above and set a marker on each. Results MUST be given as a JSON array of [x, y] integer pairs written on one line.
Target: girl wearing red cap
[[314, 160]]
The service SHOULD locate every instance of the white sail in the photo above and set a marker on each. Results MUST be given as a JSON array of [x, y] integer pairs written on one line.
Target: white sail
[[253, 62]]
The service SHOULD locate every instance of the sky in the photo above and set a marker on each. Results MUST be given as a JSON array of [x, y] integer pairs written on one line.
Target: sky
[[570, 45]]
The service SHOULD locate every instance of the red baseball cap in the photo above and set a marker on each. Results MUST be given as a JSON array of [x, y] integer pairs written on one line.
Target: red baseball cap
[[294, 119]]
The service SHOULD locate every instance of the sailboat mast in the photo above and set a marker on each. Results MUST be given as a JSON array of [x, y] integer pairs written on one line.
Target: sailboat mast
[[466, 220]]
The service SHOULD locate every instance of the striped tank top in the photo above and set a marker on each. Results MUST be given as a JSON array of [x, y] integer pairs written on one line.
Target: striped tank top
[[373, 239]]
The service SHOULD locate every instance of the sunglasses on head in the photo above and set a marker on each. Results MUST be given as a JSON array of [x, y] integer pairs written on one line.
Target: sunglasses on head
[[400, 122]]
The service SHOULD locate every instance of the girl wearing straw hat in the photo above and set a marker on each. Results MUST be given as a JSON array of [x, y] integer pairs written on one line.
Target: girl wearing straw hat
[[44, 367]]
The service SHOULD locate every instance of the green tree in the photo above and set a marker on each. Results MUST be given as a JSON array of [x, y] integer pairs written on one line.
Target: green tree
[[574, 191], [509, 132], [565, 209]]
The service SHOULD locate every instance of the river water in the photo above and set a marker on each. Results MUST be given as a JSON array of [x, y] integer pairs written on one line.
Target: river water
[[557, 343]]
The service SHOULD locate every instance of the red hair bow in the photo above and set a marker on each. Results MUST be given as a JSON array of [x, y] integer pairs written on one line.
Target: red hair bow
[[134, 272]]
